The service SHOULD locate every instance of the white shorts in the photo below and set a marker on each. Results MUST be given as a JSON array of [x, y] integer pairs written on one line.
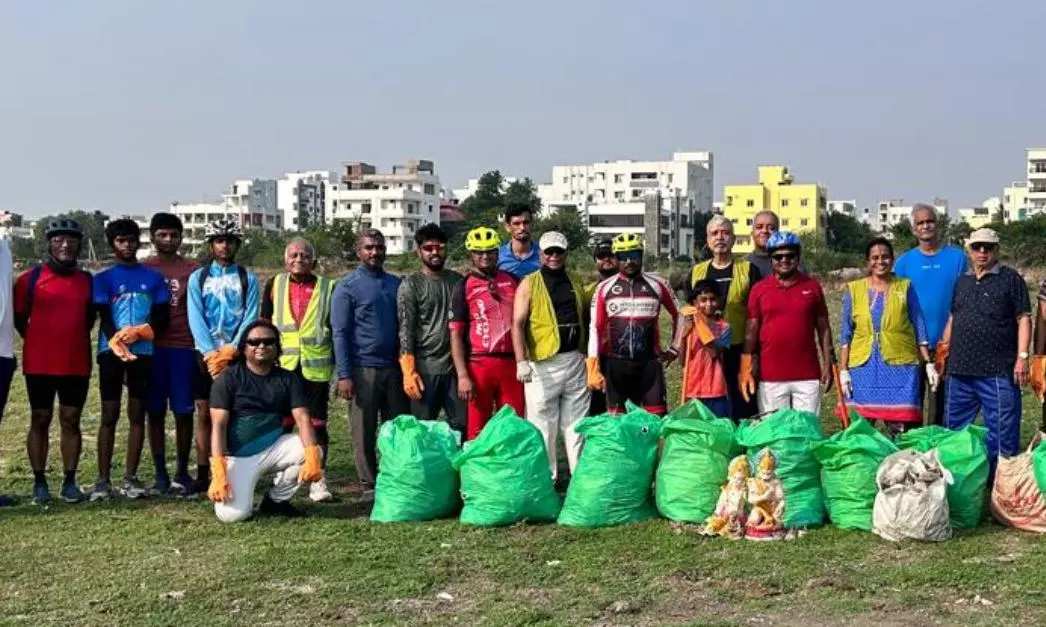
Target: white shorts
[[804, 395]]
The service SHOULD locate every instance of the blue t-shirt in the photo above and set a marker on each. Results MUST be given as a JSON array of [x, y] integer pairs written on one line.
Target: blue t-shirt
[[130, 292], [934, 278], [519, 268]]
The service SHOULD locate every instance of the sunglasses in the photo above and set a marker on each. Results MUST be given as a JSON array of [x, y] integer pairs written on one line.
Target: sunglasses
[[784, 257], [633, 256], [555, 252], [982, 247], [261, 341], [434, 248]]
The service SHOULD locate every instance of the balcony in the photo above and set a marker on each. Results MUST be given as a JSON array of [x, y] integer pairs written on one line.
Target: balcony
[[643, 183]]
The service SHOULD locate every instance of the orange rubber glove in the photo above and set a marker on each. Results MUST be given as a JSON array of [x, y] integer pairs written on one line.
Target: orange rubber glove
[[1038, 376], [312, 469], [221, 361], [120, 349], [595, 377], [132, 334], [704, 334], [412, 384], [746, 378], [219, 490], [940, 357]]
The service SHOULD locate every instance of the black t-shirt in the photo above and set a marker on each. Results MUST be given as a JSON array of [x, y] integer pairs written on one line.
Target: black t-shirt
[[256, 405], [723, 277], [564, 304]]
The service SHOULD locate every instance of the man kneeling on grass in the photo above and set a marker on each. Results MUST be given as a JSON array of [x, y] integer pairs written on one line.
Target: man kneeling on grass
[[247, 405]]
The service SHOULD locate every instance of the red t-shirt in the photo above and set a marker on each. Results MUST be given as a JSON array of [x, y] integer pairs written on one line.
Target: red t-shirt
[[57, 338], [300, 295], [787, 327], [176, 274], [482, 307]]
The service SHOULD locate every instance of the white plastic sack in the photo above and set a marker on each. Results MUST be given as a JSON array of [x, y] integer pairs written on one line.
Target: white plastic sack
[[912, 501]]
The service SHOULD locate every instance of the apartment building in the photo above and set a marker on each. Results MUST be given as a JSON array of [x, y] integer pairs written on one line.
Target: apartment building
[[301, 198], [250, 202], [1015, 203], [395, 202], [894, 211], [656, 198], [849, 208], [1036, 162], [801, 207]]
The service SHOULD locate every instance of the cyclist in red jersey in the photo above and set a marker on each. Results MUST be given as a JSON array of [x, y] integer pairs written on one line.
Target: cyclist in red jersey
[[481, 334], [625, 317]]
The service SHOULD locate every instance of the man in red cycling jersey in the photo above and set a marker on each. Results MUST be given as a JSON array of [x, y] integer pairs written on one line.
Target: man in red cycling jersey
[[481, 333], [625, 313]]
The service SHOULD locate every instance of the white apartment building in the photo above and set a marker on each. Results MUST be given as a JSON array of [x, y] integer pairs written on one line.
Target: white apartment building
[[396, 202], [300, 197], [461, 194], [849, 207], [1036, 198], [250, 202], [1015, 201], [895, 211], [613, 197]]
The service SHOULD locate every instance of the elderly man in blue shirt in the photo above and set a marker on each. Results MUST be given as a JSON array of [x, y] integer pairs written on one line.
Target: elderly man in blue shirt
[[366, 351]]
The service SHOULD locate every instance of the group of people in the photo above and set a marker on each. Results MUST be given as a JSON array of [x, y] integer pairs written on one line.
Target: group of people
[[255, 363]]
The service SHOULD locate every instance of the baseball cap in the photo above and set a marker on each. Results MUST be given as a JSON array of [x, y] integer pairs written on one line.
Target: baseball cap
[[983, 236], [553, 239]]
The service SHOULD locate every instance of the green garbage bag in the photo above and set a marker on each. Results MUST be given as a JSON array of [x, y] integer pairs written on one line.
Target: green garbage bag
[[964, 454], [789, 433], [611, 484], [849, 461], [416, 480], [698, 448], [504, 474], [1039, 465]]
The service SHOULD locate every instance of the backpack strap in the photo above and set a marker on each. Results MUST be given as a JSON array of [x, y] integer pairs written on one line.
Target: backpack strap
[[240, 270], [34, 278]]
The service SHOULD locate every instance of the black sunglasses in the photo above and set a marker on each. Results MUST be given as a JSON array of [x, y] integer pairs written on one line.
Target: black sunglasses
[[982, 247], [262, 341], [784, 257], [555, 252]]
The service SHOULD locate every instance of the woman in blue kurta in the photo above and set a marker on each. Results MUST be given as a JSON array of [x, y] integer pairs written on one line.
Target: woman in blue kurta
[[883, 342]]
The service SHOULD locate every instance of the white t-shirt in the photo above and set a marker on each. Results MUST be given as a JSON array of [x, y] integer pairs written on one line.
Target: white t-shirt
[[7, 318]]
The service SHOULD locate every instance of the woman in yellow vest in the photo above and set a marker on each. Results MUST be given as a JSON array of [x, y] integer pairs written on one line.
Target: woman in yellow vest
[[735, 280], [884, 344]]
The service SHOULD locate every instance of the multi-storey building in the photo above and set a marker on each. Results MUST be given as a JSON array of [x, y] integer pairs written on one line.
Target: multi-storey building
[[1015, 206], [396, 202], [249, 202], [1036, 162], [656, 198], [894, 211], [301, 196], [801, 208], [849, 208]]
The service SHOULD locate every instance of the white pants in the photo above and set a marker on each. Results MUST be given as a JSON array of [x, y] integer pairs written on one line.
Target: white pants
[[285, 458], [557, 398], [804, 395]]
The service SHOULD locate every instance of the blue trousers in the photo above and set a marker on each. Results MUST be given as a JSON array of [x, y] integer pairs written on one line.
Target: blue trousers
[[998, 399]]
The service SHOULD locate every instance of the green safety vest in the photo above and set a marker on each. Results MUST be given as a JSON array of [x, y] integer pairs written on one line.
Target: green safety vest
[[735, 310], [896, 335], [542, 327], [310, 343]]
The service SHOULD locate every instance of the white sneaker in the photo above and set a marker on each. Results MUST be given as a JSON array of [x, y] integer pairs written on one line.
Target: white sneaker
[[318, 491]]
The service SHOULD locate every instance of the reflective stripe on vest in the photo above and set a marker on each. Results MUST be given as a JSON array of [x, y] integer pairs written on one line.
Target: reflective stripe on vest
[[896, 336], [735, 311], [309, 345], [542, 325]]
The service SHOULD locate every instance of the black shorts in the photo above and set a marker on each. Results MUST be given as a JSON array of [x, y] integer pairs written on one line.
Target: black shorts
[[113, 373], [642, 382], [42, 389], [202, 381], [317, 395]]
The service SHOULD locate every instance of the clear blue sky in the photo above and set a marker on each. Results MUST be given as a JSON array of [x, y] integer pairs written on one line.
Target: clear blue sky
[[127, 105]]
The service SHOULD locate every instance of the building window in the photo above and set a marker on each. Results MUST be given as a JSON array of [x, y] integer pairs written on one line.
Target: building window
[[749, 221], [619, 195], [615, 220], [749, 203], [803, 222], [619, 178], [644, 176], [365, 207], [804, 202], [566, 179], [636, 193], [784, 202], [430, 189], [670, 177], [729, 201], [784, 222]]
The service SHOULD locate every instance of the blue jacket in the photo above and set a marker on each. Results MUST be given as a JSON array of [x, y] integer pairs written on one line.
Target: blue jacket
[[364, 321], [217, 315]]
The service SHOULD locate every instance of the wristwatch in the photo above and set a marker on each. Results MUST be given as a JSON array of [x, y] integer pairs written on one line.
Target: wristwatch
[[1023, 354]]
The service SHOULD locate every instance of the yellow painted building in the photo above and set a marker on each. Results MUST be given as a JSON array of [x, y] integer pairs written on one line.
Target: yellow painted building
[[802, 208]]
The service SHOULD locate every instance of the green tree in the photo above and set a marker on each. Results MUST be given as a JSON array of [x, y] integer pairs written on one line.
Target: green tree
[[846, 234], [336, 242], [901, 236], [958, 232], [263, 248], [521, 194], [484, 207], [570, 223]]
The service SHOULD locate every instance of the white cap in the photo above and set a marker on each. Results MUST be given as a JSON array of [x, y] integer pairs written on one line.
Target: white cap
[[983, 236], [553, 239]]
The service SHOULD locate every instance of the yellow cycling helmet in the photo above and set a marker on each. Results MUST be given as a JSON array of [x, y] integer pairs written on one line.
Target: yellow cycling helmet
[[481, 239], [626, 242]]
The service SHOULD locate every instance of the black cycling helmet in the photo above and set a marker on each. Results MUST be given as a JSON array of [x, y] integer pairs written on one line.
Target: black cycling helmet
[[602, 246], [63, 226]]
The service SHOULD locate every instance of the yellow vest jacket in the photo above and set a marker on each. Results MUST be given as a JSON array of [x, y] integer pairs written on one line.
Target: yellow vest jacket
[[897, 341], [310, 343], [542, 327]]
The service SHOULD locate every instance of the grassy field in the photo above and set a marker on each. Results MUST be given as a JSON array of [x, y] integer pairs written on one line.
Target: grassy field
[[168, 562]]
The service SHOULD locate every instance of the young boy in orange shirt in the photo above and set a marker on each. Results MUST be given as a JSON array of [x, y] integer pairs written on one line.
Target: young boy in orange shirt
[[706, 335]]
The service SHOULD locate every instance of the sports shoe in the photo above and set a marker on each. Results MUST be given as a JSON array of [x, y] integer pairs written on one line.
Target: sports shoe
[[133, 488], [318, 491], [41, 494], [184, 485], [71, 493], [162, 485], [270, 507], [102, 490]]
